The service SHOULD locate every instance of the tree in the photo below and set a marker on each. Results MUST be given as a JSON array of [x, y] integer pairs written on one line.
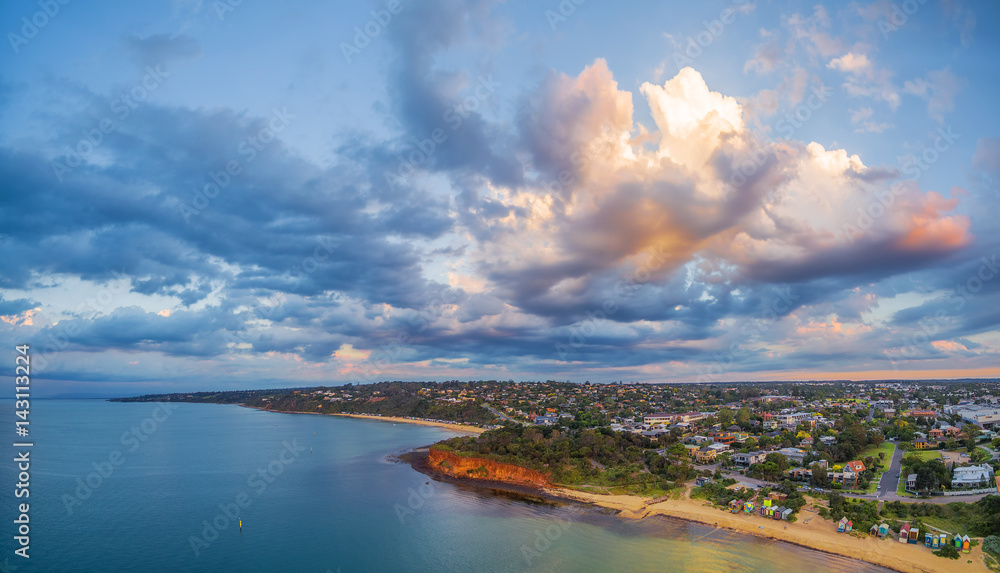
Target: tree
[[750, 444], [820, 477], [743, 417], [979, 455], [725, 417], [780, 461]]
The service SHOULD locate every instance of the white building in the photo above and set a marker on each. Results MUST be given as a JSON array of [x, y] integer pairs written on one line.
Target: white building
[[983, 416], [972, 477]]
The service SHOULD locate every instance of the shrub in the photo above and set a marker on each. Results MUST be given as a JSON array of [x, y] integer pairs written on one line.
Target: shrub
[[992, 544], [948, 551]]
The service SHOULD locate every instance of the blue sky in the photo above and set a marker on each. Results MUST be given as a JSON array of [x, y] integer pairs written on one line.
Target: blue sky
[[475, 190]]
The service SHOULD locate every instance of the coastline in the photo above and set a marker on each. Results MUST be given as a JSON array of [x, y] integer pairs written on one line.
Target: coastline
[[394, 419], [455, 427], [810, 532]]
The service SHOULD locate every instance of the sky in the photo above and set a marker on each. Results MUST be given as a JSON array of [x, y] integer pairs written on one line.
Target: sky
[[202, 195]]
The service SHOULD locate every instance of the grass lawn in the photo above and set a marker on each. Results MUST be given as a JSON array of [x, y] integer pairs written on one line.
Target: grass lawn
[[900, 488], [952, 526], [888, 448], [924, 455]]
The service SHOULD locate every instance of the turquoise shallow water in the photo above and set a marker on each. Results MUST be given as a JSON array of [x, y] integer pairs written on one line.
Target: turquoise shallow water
[[328, 500]]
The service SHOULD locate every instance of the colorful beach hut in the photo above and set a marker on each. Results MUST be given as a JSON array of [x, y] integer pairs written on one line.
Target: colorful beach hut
[[842, 525], [943, 540], [936, 542], [873, 531], [904, 532], [966, 544], [778, 511], [850, 526], [914, 536], [929, 539], [748, 507], [883, 530], [734, 506], [958, 542]]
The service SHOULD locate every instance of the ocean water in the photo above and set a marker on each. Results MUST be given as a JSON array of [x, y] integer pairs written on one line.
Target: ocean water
[[315, 494]]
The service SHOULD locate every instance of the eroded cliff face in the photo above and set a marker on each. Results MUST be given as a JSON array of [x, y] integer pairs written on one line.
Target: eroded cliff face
[[479, 468]]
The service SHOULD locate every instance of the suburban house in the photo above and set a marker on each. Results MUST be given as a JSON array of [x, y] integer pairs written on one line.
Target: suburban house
[[850, 474], [747, 460], [770, 424], [911, 482], [705, 455], [719, 448], [856, 466], [972, 476], [923, 414], [936, 434], [793, 454], [722, 437], [658, 418], [545, 420], [921, 444]]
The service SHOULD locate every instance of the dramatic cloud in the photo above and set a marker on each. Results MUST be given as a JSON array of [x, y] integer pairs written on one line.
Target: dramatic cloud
[[453, 213]]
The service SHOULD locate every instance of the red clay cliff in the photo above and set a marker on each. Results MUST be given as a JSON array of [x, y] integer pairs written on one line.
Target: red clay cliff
[[478, 468]]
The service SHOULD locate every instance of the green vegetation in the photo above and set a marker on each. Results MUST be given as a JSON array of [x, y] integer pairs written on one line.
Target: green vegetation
[[948, 551], [932, 474], [925, 455], [887, 449], [980, 455], [864, 514], [577, 457], [772, 469], [976, 519]]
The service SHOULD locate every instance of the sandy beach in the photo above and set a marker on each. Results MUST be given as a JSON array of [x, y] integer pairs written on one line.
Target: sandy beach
[[810, 531], [455, 427]]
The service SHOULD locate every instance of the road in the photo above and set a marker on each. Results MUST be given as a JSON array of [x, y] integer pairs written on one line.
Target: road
[[500, 414], [887, 485]]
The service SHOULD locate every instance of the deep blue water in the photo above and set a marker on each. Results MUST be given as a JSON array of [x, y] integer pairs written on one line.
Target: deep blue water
[[336, 504]]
